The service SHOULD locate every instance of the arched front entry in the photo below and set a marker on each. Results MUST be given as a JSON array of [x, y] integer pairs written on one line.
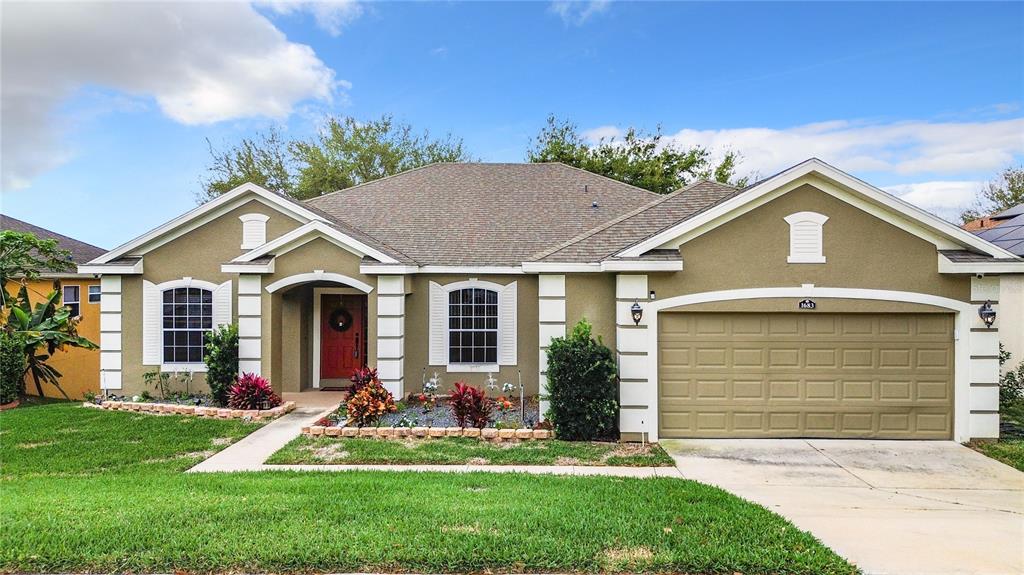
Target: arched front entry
[[959, 312]]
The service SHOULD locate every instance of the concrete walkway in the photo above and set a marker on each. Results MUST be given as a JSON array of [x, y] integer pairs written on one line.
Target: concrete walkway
[[906, 507], [250, 453]]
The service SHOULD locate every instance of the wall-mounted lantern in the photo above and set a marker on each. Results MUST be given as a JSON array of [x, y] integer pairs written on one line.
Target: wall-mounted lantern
[[637, 312], [987, 314]]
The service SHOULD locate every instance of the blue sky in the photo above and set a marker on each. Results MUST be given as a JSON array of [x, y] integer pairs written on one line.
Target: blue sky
[[107, 108]]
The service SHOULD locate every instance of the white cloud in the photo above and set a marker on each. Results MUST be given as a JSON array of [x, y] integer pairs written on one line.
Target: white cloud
[[577, 12], [905, 148], [200, 62], [946, 199], [602, 133], [331, 15]]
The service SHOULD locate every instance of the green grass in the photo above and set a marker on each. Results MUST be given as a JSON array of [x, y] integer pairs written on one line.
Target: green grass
[[1009, 451], [463, 450], [93, 491]]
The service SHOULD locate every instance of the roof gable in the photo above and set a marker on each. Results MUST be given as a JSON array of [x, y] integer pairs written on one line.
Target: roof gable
[[830, 180]]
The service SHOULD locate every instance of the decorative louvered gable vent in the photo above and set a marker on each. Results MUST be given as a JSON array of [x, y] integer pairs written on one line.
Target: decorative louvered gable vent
[[254, 230], [805, 238]]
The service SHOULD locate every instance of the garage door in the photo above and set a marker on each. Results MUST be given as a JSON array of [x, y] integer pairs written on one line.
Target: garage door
[[805, 375]]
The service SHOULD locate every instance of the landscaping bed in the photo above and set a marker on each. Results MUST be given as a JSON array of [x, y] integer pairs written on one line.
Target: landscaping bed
[[103, 491], [465, 451], [160, 408]]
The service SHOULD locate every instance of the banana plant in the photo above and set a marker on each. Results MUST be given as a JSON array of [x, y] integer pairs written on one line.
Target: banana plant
[[44, 330]]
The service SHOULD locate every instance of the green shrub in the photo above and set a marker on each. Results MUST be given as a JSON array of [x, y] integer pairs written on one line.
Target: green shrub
[[12, 366], [221, 361], [582, 387]]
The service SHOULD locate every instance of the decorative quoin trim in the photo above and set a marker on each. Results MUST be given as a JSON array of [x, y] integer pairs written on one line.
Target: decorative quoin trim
[[631, 353], [110, 333], [250, 324], [391, 333], [551, 308]]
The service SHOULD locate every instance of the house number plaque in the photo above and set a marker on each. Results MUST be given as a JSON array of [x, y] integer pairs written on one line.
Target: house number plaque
[[807, 304]]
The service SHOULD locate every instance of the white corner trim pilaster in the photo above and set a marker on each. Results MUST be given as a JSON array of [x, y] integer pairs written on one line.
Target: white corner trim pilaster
[[110, 333], [250, 324], [391, 333], [984, 351], [551, 314], [636, 403]]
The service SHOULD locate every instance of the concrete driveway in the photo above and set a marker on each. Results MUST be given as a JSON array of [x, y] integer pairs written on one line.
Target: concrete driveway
[[906, 507]]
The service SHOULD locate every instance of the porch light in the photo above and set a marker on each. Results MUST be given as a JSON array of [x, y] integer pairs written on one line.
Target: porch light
[[637, 312], [987, 314]]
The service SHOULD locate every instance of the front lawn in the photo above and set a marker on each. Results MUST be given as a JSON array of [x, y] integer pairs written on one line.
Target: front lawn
[[1009, 451], [464, 450], [92, 491]]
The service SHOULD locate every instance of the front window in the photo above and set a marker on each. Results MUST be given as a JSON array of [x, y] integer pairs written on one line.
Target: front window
[[473, 326], [94, 294], [187, 316], [71, 299]]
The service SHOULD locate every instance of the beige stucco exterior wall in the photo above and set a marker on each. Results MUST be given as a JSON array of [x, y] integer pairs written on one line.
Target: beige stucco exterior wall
[[197, 254], [417, 333], [591, 296], [861, 250]]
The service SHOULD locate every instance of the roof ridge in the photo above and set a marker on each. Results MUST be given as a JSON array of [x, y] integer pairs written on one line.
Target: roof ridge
[[662, 198], [599, 175]]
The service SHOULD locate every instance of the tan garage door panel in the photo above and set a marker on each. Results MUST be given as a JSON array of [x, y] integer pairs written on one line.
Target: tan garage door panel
[[806, 375]]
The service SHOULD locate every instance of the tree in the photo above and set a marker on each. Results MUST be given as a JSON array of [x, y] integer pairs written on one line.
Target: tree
[[24, 257], [1003, 193], [639, 158], [344, 153], [42, 331]]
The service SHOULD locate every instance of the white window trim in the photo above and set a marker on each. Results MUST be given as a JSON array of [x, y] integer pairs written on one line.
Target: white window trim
[[99, 293], [252, 220], [219, 309], [817, 220], [502, 291]]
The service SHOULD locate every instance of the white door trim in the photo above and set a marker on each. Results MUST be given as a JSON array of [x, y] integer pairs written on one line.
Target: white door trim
[[962, 358], [317, 292]]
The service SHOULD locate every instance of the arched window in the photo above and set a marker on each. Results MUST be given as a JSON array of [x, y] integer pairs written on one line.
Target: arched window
[[187, 317], [473, 326], [805, 238]]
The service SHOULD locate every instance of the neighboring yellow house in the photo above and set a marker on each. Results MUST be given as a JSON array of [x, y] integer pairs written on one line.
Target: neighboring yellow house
[[80, 368]]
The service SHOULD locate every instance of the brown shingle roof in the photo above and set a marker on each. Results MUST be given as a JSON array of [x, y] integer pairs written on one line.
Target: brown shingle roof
[[606, 240], [81, 252], [481, 214]]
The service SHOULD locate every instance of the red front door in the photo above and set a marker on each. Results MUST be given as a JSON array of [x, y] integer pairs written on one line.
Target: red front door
[[342, 335]]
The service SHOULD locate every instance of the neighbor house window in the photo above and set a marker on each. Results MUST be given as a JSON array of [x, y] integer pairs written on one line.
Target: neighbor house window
[[94, 294], [187, 317], [473, 326], [805, 238], [71, 299]]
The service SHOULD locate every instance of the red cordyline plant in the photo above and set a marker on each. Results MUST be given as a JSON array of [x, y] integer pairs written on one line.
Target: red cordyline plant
[[362, 376], [470, 406], [368, 404], [251, 391]]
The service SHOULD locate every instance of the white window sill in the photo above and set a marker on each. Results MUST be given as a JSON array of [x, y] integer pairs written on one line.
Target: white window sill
[[183, 367], [805, 260], [472, 368]]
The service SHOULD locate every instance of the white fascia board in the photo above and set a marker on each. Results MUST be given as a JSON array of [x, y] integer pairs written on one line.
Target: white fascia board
[[994, 267], [560, 267], [379, 269], [111, 269], [206, 212], [267, 268], [315, 229], [630, 266], [722, 211]]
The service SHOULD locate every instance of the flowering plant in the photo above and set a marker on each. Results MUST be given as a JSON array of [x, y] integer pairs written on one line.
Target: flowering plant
[[369, 403], [360, 378], [251, 391]]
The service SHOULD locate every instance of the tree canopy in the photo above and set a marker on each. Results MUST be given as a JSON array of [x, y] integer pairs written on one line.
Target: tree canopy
[[23, 256], [639, 158], [345, 152], [1006, 191]]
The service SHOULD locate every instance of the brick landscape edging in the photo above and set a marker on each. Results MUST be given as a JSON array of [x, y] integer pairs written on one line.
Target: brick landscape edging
[[196, 410], [486, 434]]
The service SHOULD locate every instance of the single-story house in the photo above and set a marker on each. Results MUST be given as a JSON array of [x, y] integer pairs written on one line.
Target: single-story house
[[1006, 230], [808, 304], [79, 367]]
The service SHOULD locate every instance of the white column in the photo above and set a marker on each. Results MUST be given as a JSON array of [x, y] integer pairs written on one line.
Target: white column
[[391, 333], [110, 333], [551, 315], [636, 397], [250, 324], [983, 343]]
